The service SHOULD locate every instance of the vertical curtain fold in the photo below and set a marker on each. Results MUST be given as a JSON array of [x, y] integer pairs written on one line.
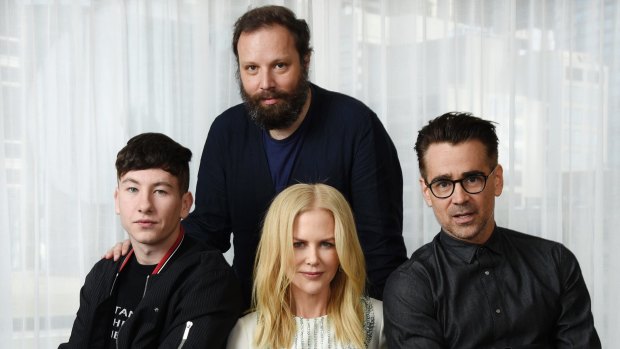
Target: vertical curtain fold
[[78, 78]]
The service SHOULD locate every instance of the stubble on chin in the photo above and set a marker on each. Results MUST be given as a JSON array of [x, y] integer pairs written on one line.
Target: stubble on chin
[[475, 232]]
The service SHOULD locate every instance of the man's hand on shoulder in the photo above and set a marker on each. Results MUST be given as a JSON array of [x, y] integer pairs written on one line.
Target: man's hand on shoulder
[[118, 250]]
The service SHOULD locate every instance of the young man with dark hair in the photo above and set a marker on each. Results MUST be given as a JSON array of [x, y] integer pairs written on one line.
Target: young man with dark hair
[[477, 285], [170, 290]]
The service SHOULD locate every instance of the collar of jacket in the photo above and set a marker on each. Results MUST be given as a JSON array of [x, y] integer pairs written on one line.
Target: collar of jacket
[[164, 261]]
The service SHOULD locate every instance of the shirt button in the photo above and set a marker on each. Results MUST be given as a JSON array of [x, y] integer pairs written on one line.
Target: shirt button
[[486, 272], [498, 311]]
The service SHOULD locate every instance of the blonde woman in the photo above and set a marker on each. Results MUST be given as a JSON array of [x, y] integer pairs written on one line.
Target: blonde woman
[[309, 278]]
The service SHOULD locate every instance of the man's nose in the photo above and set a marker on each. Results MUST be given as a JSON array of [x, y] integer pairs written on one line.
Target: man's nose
[[145, 204], [459, 195], [266, 79]]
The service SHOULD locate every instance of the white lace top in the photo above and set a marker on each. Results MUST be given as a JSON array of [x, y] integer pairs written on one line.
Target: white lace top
[[315, 333]]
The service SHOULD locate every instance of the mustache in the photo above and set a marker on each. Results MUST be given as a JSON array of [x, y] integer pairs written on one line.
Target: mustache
[[270, 94], [466, 209]]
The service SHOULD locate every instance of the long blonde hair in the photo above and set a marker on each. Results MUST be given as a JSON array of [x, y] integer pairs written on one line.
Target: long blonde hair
[[271, 296]]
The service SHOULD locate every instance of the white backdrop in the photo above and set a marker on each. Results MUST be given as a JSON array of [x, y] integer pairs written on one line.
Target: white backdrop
[[80, 77]]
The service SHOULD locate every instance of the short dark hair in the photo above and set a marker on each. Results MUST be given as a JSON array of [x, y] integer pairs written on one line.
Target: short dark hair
[[271, 15], [155, 151], [455, 128]]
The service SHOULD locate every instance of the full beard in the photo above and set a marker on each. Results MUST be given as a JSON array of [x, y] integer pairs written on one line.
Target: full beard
[[281, 115]]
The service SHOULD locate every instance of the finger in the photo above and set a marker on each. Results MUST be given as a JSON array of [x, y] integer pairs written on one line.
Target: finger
[[117, 251], [125, 247]]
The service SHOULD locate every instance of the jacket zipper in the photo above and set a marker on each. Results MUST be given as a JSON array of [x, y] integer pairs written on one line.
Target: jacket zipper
[[113, 284], [146, 284], [188, 326]]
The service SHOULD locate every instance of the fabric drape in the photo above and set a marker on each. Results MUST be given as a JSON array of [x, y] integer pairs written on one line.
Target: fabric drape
[[78, 78]]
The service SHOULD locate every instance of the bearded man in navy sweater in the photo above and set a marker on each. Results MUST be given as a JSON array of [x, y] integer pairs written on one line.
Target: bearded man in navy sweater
[[289, 131]]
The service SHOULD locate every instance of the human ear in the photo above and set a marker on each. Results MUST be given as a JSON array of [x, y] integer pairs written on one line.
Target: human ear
[[186, 204], [499, 180], [426, 192], [306, 61], [117, 208]]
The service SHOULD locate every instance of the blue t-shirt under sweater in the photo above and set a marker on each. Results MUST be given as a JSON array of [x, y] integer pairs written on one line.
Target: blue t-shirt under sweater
[[281, 154]]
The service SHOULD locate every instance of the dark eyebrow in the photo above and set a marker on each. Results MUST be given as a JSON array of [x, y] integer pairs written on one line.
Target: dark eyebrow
[[157, 184], [441, 178], [463, 175], [286, 59], [129, 180], [473, 173], [165, 184]]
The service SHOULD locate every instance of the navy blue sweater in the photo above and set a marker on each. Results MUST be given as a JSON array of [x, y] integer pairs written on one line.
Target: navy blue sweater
[[345, 146]]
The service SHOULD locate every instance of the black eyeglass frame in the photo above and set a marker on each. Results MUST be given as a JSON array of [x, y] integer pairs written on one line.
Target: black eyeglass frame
[[460, 181]]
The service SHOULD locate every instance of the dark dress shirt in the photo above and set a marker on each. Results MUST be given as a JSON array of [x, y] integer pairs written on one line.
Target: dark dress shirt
[[515, 291]]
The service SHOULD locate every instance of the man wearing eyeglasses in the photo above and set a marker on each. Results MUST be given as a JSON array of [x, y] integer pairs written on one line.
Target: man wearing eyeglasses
[[477, 285]]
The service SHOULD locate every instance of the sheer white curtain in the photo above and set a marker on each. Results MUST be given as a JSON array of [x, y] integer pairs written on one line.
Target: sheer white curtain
[[78, 78]]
